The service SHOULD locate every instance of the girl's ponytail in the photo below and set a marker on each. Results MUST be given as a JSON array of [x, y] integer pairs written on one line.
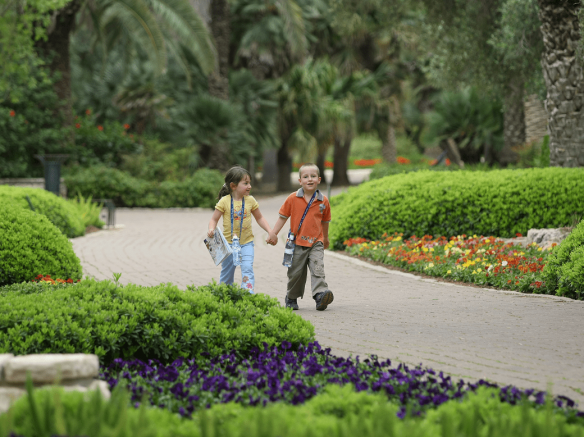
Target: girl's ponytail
[[233, 176], [224, 191]]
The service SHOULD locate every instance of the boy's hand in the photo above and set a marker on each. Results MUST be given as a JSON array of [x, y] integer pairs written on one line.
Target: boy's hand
[[272, 239], [326, 243], [210, 233]]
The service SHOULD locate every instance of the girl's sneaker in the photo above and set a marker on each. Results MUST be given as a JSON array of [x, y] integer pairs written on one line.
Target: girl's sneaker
[[323, 300], [291, 303]]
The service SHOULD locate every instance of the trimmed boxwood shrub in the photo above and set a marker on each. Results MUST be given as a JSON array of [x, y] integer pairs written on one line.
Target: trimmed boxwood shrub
[[199, 190], [31, 245], [62, 214], [499, 203], [564, 271], [131, 321]]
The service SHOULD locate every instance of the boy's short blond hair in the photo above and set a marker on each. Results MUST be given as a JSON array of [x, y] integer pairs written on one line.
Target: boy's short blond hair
[[308, 165]]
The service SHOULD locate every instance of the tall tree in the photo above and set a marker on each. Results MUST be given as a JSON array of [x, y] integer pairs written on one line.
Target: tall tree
[[564, 80]]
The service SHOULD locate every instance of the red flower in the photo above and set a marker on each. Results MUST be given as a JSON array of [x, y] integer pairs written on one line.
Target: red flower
[[518, 235], [88, 112], [12, 113], [100, 127], [126, 126], [402, 160], [77, 125], [366, 162], [328, 164], [447, 161]]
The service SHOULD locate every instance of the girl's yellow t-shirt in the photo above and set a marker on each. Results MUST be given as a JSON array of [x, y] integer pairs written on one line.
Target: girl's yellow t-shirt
[[224, 205]]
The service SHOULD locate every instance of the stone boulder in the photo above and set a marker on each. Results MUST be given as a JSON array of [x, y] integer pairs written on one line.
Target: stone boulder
[[544, 237]]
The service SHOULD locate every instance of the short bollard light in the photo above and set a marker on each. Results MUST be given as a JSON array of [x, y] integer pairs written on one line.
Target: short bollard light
[[52, 167]]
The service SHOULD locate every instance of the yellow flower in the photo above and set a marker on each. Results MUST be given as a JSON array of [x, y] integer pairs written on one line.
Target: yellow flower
[[474, 272], [425, 249], [539, 249], [431, 265], [449, 272], [459, 267], [487, 241], [431, 249], [479, 270]]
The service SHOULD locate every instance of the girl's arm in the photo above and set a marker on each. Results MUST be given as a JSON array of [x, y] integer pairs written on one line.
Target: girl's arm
[[213, 223], [261, 220]]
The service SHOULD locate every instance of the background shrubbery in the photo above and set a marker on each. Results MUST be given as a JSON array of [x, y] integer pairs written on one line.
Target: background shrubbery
[[500, 203], [32, 245], [64, 215], [564, 271], [101, 182], [159, 322]]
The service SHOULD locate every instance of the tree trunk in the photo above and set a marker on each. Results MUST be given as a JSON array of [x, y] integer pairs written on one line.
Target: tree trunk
[[341, 158], [320, 159], [56, 48], [218, 82], [284, 167], [513, 122], [389, 145], [564, 81]]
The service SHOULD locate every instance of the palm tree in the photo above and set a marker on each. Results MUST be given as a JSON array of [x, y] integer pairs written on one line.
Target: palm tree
[[156, 26], [564, 80]]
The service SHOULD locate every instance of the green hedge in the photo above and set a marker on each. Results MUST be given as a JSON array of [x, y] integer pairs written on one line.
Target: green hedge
[[161, 322], [338, 412], [31, 245], [61, 213], [499, 203], [109, 183], [564, 271]]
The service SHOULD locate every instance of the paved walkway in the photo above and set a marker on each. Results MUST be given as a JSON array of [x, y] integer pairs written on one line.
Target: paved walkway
[[471, 333]]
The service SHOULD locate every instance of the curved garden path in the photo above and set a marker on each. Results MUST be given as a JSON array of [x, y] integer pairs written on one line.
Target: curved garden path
[[469, 332]]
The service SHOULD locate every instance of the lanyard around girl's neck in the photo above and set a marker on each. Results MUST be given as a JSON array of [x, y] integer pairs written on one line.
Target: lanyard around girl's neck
[[241, 221]]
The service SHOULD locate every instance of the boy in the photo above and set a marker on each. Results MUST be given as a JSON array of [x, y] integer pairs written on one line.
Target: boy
[[311, 241]]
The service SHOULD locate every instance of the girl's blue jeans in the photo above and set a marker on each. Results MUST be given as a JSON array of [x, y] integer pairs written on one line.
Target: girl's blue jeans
[[228, 269]]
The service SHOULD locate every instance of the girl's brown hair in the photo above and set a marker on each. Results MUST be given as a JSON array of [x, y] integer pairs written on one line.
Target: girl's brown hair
[[234, 175]]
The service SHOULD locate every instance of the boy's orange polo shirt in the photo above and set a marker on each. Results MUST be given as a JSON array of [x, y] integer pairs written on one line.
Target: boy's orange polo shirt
[[319, 213]]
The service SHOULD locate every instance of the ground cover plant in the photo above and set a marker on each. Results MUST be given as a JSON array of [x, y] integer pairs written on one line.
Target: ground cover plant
[[64, 215], [31, 245], [479, 260], [500, 202], [338, 411], [161, 322], [293, 376]]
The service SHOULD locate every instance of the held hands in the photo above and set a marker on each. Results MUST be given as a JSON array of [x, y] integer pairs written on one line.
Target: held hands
[[272, 239], [210, 233]]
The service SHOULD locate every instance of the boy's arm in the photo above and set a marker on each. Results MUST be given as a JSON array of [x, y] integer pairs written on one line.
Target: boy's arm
[[213, 223], [325, 226], [279, 225]]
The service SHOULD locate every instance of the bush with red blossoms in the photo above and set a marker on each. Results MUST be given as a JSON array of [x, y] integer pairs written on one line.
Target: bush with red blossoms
[[280, 374]]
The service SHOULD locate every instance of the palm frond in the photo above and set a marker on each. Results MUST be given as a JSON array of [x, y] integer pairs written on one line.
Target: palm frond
[[294, 28]]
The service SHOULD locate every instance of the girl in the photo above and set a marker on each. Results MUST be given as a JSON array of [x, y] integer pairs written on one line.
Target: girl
[[237, 206]]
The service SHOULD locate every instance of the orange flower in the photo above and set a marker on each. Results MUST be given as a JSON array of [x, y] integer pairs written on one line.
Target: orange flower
[[88, 112], [100, 127], [402, 160], [126, 126], [328, 164], [447, 161], [12, 113], [77, 125]]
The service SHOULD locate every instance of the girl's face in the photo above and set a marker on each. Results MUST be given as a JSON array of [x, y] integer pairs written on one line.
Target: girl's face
[[242, 188]]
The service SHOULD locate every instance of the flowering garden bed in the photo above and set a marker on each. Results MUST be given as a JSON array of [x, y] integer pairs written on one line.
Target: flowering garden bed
[[480, 260], [281, 374]]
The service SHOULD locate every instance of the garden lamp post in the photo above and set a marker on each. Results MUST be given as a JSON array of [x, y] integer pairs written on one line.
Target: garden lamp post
[[52, 166]]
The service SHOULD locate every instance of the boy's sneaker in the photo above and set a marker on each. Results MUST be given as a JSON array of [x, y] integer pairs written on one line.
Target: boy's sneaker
[[323, 300], [291, 303]]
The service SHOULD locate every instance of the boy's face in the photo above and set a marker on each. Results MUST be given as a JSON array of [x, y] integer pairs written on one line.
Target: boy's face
[[309, 179]]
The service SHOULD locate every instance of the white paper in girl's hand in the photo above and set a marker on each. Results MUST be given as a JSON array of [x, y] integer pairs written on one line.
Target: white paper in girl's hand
[[218, 247]]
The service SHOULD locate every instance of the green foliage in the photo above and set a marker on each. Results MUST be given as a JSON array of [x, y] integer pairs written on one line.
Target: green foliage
[[29, 125], [161, 322], [21, 24], [88, 210], [564, 272], [97, 144], [500, 203], [474, 122], [64, 215], [32, 245], [337, 412], [109, 183]]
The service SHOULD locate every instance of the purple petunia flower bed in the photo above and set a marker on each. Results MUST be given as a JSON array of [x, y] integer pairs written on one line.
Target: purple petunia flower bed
[[281, 374]]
